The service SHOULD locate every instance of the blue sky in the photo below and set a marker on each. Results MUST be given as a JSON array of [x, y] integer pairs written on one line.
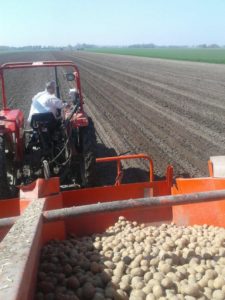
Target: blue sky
[[104, 22]]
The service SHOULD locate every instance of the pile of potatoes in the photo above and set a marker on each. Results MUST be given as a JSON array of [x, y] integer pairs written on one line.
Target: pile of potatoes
[[135, 261]]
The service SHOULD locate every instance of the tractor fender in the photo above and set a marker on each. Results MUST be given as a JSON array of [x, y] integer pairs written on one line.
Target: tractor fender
[[12, 126]]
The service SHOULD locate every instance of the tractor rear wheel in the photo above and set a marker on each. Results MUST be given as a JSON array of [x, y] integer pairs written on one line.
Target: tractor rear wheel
[[88, 155], [5, 191]]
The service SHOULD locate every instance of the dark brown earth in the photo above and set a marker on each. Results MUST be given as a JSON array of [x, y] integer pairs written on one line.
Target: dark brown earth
[[172, 110]]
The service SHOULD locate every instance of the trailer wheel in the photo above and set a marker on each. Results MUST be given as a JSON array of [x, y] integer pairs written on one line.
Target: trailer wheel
[[88, 155], [4, 184]]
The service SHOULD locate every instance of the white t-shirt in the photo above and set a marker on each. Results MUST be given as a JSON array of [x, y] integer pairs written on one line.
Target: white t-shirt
[[45, 102]]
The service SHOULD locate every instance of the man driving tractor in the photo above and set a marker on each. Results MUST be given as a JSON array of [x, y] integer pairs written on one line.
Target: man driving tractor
[[61, 141], [46, 102]]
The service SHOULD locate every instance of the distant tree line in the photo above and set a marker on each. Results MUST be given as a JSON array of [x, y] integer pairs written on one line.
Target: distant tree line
[[28, 48], [151, 45], [39, 47], [210, 46], [84, 46]]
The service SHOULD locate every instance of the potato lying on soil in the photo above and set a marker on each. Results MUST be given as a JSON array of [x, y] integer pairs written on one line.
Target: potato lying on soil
[[134, 261]]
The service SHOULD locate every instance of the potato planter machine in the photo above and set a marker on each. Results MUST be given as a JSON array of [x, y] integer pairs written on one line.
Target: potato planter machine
[[43, 212]]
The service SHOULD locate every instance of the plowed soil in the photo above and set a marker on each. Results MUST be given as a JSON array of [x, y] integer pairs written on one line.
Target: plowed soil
[[173, 111]]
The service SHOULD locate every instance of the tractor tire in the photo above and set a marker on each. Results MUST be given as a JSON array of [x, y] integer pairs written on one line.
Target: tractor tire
[[5, 191], [88, 155]]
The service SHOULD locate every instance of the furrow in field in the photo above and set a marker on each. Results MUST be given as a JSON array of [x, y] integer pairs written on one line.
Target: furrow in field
[[175, 122]]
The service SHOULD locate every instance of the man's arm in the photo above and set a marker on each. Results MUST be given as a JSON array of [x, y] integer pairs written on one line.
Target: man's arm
[[56, 102]]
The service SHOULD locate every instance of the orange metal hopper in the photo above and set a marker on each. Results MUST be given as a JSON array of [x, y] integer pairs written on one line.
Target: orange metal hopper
[[46, 213]]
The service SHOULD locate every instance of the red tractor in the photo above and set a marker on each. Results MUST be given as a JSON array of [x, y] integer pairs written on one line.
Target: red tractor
[[65, 148]]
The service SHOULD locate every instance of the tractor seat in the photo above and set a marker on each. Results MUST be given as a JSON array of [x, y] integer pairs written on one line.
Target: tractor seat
[[46, 120]]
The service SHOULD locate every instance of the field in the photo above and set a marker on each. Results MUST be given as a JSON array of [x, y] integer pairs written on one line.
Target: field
[[195, 54], [172, 110]]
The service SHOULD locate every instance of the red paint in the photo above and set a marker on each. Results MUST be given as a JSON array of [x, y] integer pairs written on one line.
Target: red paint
[[12, 126]]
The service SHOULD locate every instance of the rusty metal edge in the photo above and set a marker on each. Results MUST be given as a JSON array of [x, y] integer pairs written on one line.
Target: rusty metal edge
[[162, 201], [18, 251], [7, 222]]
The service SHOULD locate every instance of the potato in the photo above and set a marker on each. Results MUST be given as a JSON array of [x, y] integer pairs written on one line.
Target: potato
[[94, 267], [73, 283], [136, 279], [157, 291], [98, 296], [68, 269], [148, 276], [191, 289], [203, 282], [137, 272], [154, 261], [115, 279], [158, 276], [198, 276], [88, 291], [190, 298], [208, 292], [144, 262], [124, 286], [109, 264], [120, 266], [218, 295], [131, 261], [211, 274], [164, 268], [105, 276], [126, 279], [120, 295], [150, 297], [147, 289], [200, 269], [167, 282], [134, 264], [137, 294], [127, 259], [116, 258], [211, 283], [219, 282], [118, 273], [46, 287], [109, 254]]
